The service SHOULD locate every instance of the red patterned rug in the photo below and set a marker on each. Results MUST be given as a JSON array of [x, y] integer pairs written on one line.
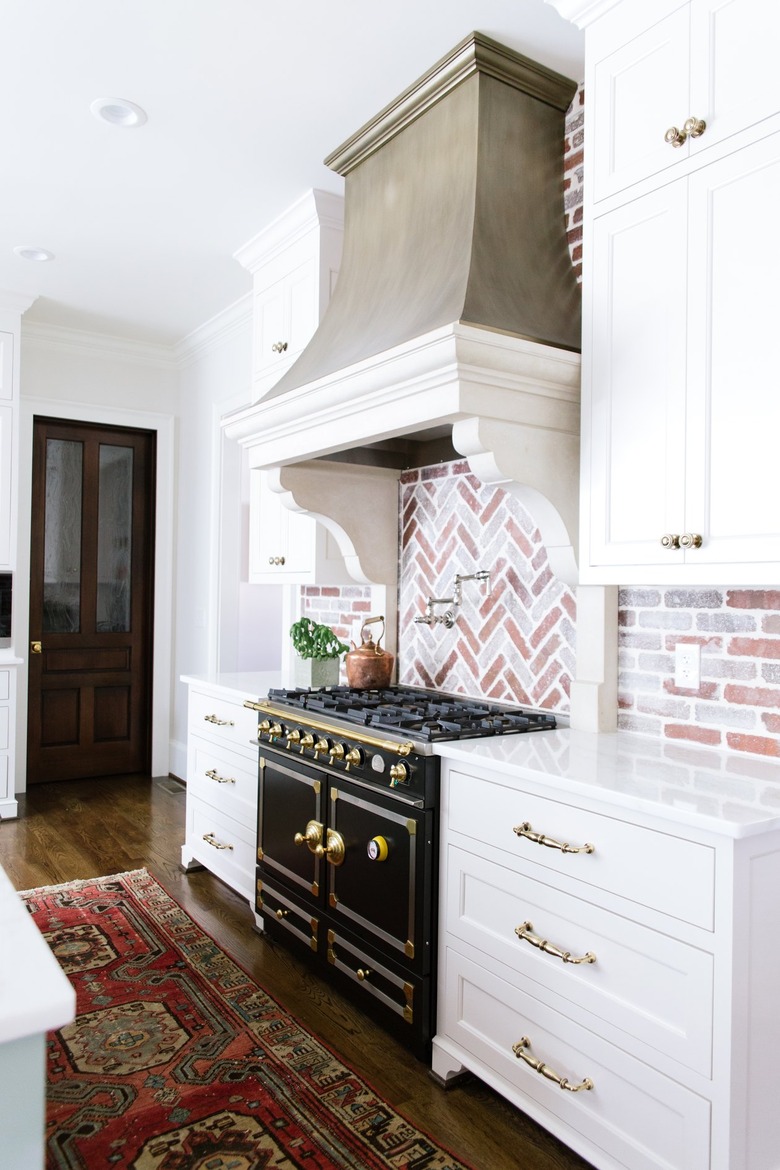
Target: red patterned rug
[[177, 1060]]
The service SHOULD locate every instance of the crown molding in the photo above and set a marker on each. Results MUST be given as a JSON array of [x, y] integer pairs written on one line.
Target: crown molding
[[45, 336], [581, 12], [15, 302], [214, 332]]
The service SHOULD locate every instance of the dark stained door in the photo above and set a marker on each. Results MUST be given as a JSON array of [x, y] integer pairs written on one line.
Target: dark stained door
[[91, 595]]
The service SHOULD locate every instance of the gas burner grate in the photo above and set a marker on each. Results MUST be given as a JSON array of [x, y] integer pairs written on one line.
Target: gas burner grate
[[426, 715]]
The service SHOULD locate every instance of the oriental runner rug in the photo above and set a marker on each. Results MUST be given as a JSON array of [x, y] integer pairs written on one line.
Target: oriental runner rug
[[178, 1060]]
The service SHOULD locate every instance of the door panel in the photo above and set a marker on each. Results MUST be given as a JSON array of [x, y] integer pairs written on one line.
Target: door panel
[[91, 595]]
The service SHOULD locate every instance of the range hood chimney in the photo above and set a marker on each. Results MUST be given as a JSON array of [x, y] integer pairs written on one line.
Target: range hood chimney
[[456, 311], [453, 212]]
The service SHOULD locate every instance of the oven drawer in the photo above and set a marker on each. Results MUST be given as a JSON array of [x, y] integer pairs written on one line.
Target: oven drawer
[[376, 985], [223, 845], [222, 720], [273, 904], [655, 869], [224, 779], [639, 1117], [643, 985]]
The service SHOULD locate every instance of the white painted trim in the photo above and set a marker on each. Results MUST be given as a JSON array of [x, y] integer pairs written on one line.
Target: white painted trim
[[125, 349], [214, 332], [162, 683]]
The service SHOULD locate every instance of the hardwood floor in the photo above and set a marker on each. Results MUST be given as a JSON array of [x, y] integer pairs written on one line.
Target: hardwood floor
[[88, 828]]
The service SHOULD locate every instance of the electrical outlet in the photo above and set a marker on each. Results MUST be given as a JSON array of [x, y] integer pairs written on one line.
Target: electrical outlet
[[687, 666]]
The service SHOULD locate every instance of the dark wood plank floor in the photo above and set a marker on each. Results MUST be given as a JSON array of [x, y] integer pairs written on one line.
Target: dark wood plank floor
[[89, 828]]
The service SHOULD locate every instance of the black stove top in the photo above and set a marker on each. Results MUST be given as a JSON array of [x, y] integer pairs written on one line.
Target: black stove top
[[425, 715]]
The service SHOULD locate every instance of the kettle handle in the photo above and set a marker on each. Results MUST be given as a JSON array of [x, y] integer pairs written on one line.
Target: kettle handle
[[370, 621]]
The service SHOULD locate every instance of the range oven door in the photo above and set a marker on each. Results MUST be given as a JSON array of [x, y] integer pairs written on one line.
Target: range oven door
[[379, 872], [291, 823]]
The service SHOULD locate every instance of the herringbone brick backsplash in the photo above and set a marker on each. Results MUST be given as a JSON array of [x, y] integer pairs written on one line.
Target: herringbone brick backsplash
[[514, 642]]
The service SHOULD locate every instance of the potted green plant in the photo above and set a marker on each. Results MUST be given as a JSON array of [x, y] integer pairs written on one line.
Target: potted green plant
[[318, 651]]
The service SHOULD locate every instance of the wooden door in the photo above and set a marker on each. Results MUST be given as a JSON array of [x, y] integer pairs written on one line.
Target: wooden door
[[91, 595]]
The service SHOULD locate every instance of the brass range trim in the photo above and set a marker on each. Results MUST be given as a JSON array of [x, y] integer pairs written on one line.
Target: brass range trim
[[401, 749]]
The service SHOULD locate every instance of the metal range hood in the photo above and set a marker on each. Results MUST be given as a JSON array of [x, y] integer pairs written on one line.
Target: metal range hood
[[456, 311]]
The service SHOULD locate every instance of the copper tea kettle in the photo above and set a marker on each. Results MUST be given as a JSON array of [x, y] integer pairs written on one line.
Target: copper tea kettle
[[369, 666]]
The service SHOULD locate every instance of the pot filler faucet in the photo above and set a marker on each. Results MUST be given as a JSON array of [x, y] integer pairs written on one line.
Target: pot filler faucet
[[429, 618]]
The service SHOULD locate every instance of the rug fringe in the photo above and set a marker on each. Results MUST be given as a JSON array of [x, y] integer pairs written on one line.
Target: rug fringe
[[78, 882]]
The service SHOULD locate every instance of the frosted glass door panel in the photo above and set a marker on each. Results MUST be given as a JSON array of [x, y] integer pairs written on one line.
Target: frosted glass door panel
[[114, 538], [62, 537]]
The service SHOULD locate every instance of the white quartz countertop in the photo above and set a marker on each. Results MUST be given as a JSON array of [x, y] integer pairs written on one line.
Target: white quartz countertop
[[242, 685], [711, 790], [35, 993]]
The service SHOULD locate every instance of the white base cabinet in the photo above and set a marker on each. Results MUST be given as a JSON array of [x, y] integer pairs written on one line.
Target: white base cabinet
[[626, 953], [222, 758]]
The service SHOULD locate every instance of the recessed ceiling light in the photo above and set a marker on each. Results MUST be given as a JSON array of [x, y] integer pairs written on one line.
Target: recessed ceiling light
[[27, 252], [118, 112]]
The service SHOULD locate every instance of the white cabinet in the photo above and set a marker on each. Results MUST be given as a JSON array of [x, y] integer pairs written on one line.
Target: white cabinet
[[288, 547], [681, 294], [8, 802], [221, 824], [583, 940], [8, 470], [294, 263], [710, 60]]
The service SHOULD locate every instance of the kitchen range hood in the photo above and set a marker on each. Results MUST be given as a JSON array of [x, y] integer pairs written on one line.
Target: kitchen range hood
[[455, 322]]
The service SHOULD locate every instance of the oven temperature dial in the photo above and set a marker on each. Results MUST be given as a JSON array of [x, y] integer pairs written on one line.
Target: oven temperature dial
[[377, 849], [399, 774]]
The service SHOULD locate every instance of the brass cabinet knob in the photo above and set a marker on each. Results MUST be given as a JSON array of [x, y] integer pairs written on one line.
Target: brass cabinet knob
[[280, 914], [690, 540], [670, 540], [675, 137], [276, 560], [695, 127], [279, 347], [363, 973]]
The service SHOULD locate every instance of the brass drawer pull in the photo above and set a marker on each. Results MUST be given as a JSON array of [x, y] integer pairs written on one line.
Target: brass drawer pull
[[210, 839], [213, 774], [524, 933], [217, 721], [545, 1070], [525, 830]]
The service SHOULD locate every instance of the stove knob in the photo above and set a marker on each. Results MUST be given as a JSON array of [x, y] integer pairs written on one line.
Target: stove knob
[[307, 741], [321, 747], [399, 774], [337, 751], [354, 756], [275, 729], [263, 726], [293, 737]]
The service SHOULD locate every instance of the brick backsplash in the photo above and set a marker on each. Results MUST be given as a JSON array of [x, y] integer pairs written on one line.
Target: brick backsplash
[[512, 643], [572, 181], [340, 607], [737, 705]]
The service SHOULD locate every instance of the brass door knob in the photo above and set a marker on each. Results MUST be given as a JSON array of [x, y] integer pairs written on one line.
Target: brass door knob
[[312, 836], [335, 850], [36, 648]]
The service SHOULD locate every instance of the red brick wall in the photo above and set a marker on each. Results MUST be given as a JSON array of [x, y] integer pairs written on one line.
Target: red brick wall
[[572, 172], [340, 607], [737, 706]]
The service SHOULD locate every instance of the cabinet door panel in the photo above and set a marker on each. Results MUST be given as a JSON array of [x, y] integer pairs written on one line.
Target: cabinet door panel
[[640, 91], [733, 403], [637, 419], [733, 66]]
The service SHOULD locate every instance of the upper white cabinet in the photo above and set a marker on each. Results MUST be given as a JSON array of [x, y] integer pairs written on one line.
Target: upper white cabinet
[[294, 263], [288, 547], [679, 379], [8, 471], [682, 86]]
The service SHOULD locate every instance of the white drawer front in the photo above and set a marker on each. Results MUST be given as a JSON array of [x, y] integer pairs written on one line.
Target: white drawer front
[[5, 741], [639, 1117], [643, 985], [222, 845], [654, 869], [222, 720], [223, 779], [5, 779], [5, 684]]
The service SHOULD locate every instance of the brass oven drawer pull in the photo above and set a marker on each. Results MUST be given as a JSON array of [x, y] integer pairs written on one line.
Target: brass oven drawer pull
[[210, 839], [525, 830], [217, 721], [540, 1067], [525, 933], [401, 749], [213, 774]]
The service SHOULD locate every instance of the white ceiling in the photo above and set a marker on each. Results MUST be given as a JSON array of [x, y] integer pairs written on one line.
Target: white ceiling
[[244, 99]]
